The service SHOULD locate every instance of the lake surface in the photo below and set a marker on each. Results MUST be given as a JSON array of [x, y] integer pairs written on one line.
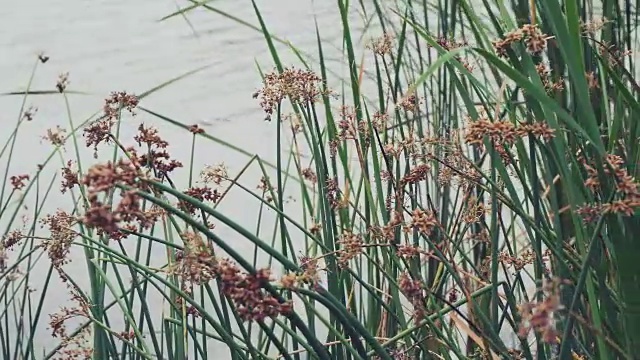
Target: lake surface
[[121, 45]]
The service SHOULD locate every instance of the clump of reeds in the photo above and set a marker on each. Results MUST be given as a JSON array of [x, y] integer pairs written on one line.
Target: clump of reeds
[[483, 203]]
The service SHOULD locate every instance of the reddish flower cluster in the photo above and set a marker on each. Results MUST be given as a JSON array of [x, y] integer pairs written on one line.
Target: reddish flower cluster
[[309, 274], [503, 134], [534, 40], [424, 221], [414, 290], [18, 182], [201, 194], [351, 246], [102, 179], [246, 291], [100, 130], [382, 45], [300, 86], [61, 236], [156, 156], [539, 316], [626, 186], [69, 178]]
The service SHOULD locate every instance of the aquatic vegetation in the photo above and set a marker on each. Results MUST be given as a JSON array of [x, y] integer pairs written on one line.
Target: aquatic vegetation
[[469, 191]]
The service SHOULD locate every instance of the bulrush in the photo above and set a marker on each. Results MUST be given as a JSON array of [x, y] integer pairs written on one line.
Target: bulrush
[[414, 290], [351, 246], [302, 87], [155, 156], [534, 40], [539, 316], [627, 190], [101, 179], [61, 236], [246, 291], [381, 46], [18, 181], [100, 130]]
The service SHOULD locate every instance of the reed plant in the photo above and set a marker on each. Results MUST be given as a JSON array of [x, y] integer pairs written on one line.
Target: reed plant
[[467, 190]]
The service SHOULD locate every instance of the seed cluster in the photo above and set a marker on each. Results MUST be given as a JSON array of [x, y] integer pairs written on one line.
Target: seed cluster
[[72, 346], [451, 44], [101, 180], [627, 189], [61, 236], [415, 291], [534, 40], [503, 134], [156, 156], [18, 181], [100, 131], [381, 46], [539, 316], [252, 302], [351, 246], [70, 178], [195, 264], [302, 87], [203, 193], [55, 136]]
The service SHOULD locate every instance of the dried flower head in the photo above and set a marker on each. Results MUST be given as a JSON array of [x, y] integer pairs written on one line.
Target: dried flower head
[[214, 174], [414, 290], [61, 236], [201, 194], [18, 182], [247, 292], [195, 129], [102, 179], [196, 263], [11, 239], [351, 246], [156, 157], [423, 221], [382, 45], [539, 316], [309, 175], [43, 57], [534, 39], [69, 178], [118, 101], [593, 26], [302, 87], [63, 82], [55, 136], [410, 103], [29, 113], [409, 251], [98, 132]]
